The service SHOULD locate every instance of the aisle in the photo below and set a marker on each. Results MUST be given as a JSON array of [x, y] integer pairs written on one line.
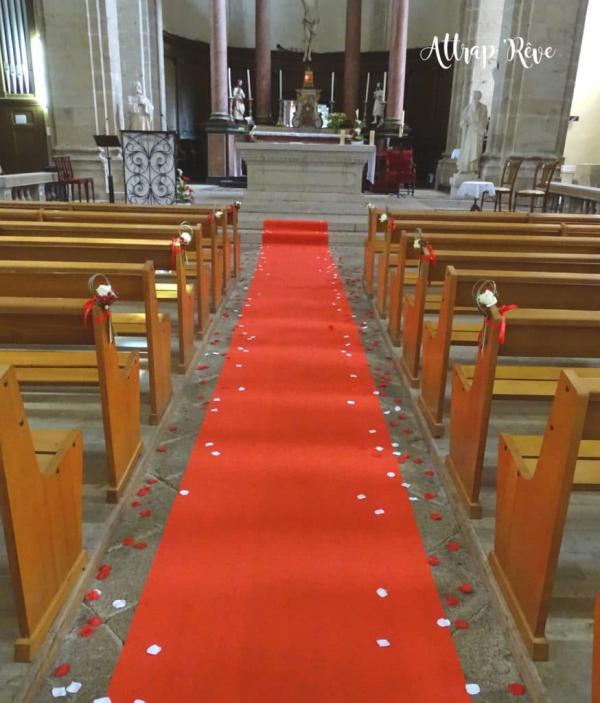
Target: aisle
[[291, 569]]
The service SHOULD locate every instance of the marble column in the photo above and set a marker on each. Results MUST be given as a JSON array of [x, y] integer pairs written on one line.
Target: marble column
[[352, 58], [263, 63], [220, 140], [219, 89], [531, 106], [397, 65]]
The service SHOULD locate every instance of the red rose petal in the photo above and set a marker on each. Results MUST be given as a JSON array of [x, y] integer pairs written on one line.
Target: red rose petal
[[103, 572], [417, 461], [429, 472], [202, 367], [407, 430], [402, 416], [91, 595], [151, 481], [140, 545], [61, 670], [127, 541], [172, 429], [403, 457], [162, 450], [433, 561], [452, 600], [86, 631], [144, 490], [453, 546], [461, 625], [145, 513], [95, 621], [135, 504], [516, 689], [465, 588], [393, 423], [436, 516], [429, 496]]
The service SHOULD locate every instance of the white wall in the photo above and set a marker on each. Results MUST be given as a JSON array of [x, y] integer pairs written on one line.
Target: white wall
[[189, 18], [583, 138]]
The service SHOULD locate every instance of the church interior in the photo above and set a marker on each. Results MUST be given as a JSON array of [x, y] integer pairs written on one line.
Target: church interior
[[299, 387]]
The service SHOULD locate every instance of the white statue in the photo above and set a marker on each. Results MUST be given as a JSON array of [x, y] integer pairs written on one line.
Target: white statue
[[238, 106], [473, 122], [378, 105], [310, 22], [140, 111]]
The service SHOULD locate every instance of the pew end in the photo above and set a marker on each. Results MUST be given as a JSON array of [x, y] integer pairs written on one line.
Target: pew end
[[41, 476], [535, 478]]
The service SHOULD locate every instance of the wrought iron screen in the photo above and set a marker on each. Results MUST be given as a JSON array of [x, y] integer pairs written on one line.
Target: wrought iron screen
[[149, 167]]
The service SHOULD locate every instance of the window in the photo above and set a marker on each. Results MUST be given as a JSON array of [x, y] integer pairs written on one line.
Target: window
[[15, 50]]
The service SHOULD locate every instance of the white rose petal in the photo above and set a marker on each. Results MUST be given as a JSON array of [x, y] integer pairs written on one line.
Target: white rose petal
[[383, 643], [361, 496], [382, 593], [119, 603], [74, 687], [184, 492], [443, 622], [104, 699], [473, 689], [154, 649], [59, 692], [379, 511], [351, 402], [391, 474]]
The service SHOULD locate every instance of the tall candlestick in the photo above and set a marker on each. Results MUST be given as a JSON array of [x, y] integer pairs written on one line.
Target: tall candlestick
[[367, 88], [384, 84], [249, 84], [229, 79], [280, 84], [332, 84]]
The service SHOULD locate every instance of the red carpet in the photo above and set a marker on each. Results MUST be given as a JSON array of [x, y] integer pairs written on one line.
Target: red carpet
[[264, 588]]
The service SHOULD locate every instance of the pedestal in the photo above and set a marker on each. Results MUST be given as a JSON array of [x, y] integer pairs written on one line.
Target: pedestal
[[307, 108]]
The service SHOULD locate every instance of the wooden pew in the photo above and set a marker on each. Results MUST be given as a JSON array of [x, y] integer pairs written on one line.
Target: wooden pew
[[464, 244], [535, 479], [132, 282], [531, 289], [29, 322], [529, 333], [197, 252], [40, 502], [181, 212], [61, 249]]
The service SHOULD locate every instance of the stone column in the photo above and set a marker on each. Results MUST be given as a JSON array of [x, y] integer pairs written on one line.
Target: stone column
[[263, 63], [219, 90], [397, 65], [219, 128], [530, 110], [352, 58]]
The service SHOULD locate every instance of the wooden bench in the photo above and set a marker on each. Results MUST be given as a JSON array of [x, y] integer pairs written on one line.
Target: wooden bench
[[408, 256], [28, 323], [535, 479], [529, 333], [132, 282], [531, 289], [61, 249], [205, 260], [40, 502], [229, 226]]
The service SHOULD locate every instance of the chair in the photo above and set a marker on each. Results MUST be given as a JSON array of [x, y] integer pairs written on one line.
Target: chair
[[544, 173], [510, 172], [400, 171], [67, 179]]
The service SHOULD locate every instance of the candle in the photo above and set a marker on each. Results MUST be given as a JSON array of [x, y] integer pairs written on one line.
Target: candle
[[249, 84], [280, 84], [367, 88], [384, 84], [372, 137], [342, 136], [332, 84], [229, 79]]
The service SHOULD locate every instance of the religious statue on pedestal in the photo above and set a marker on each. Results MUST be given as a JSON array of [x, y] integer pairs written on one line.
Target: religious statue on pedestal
[[310, 22], [140, 111], [473, 122], [378, 105], [238, 106]]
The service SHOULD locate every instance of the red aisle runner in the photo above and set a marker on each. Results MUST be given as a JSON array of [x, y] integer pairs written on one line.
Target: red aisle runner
[[264, 588]]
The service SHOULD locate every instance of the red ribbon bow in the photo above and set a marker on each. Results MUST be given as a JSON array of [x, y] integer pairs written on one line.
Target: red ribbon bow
[[103, 302], [392, 224], [503, 310], [430, 253], [175, 247]]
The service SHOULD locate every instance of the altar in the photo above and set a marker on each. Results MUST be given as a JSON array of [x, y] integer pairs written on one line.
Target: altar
[[305, 167]]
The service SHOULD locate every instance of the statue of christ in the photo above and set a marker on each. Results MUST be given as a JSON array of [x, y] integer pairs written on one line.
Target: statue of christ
[[310, 22]]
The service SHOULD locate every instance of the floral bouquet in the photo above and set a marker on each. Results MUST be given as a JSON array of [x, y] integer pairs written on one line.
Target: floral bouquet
[[183, 193]]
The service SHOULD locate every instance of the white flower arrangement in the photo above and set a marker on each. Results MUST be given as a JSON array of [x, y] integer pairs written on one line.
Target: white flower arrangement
[[237, 204], [185, 237], [105, 291], [487, 299], [218, 214], [383, 217]]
